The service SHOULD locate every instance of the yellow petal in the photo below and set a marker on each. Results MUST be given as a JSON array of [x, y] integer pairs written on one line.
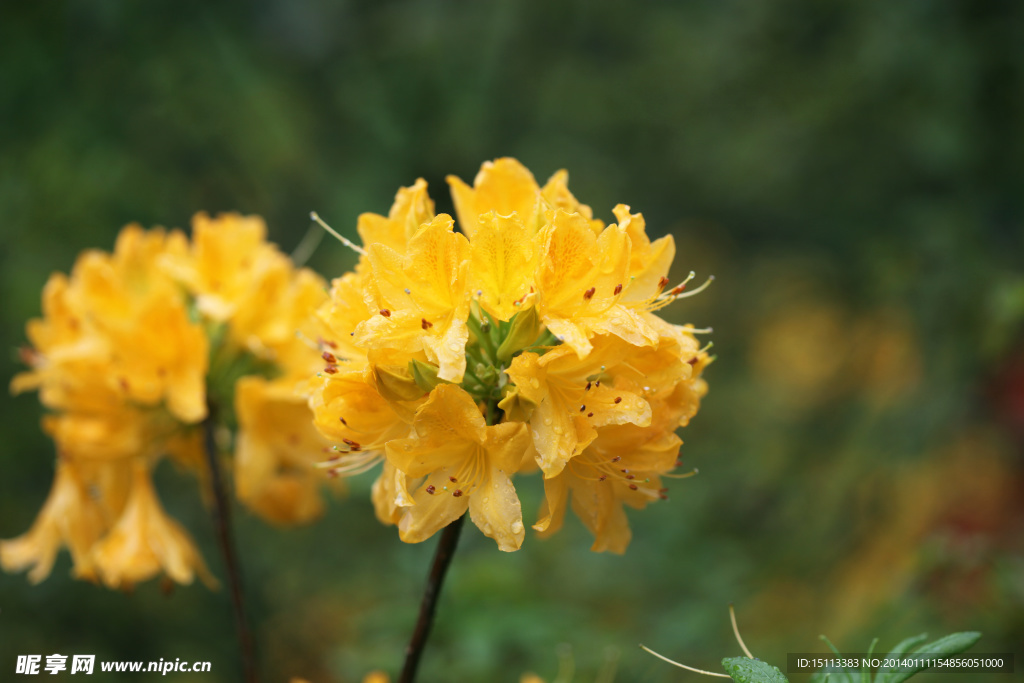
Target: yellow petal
[[346, 406], [580, 281], [390, 494], [503, 262], [68, 517], [603, 515], [421, 298], [649, 261], [495, 509], [145, 541], [503, 186], [431, 512], [569, 406], [557, 196], [552, 510], [412, 208], [342, 313], [448, 427], [276, 452]]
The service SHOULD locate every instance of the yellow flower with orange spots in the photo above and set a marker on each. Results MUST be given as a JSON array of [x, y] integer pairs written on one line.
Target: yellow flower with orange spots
[[527, 339], [139, 348]]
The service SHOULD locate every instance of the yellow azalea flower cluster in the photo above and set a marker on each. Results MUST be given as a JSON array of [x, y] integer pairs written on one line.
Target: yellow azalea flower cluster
[[528, 340], [134, 350]]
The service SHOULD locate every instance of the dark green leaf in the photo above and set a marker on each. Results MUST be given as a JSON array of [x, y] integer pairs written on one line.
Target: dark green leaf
[[950, 645], [865, 671], [831, 676], [746, 670], [884, 674]]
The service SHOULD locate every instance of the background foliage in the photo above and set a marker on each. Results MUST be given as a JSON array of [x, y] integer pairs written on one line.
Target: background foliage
[[850, 171]]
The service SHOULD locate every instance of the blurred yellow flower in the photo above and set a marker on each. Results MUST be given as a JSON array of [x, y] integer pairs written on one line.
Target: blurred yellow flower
[[132, 350], [530, 339], [68, 518], [145, 542]]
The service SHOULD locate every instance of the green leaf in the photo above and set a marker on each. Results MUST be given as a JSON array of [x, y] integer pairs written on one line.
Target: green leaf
[[832, 675], [746, 670], [865, 671], [950, 645], [884, 674]]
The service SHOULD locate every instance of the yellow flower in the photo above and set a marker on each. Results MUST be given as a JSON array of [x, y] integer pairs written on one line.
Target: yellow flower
[[530, 341], [574, 397], [228, 256], [132, 348], [277, 451], [145, 542], [465, 464], [412, 208], [156, 353], [419, 301], [504, 187], [339, 316], [60, 342], [624, 462], [504, 257], [69, 517]]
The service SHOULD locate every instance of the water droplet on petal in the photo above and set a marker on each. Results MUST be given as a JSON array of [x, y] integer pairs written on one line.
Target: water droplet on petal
[[517, 527]]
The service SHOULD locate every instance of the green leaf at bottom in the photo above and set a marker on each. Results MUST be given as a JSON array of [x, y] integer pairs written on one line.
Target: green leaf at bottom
[[746, 670]]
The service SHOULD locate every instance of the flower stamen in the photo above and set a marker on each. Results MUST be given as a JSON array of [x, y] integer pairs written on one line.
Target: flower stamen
[[337, 235]]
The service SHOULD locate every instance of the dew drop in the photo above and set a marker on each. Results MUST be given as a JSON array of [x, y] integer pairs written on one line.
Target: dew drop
[[517, 527]]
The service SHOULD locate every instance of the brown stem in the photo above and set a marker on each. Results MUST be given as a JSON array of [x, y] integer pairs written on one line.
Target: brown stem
[[442, 558], [221, 514]]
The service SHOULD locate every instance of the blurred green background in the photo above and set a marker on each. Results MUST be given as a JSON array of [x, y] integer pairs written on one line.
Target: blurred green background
[[850, 171]]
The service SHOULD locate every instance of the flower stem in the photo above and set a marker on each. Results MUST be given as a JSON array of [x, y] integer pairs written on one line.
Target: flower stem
[[221, 514], [442, 558]]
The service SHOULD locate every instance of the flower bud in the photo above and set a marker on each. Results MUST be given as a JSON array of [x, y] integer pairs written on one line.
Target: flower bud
[[425, 375], [517, 407], [395, 383], [522, 333]]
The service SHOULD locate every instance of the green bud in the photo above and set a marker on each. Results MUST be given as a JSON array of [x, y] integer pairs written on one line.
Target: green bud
[[517, 407], [425, 375], [395, 383], [523, 331]]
